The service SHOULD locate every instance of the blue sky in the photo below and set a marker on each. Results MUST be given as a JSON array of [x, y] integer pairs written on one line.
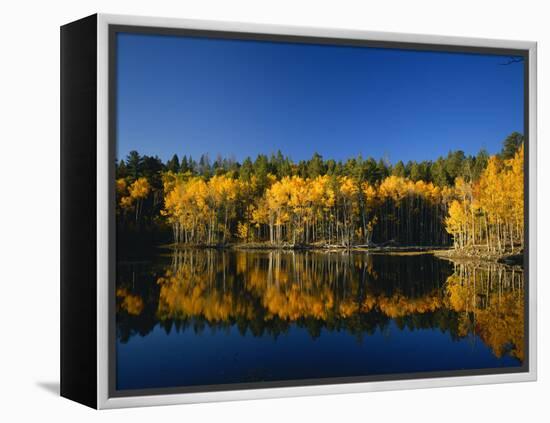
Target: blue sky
[[239, 98]]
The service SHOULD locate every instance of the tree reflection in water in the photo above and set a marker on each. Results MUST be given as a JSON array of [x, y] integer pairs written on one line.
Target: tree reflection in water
[[266, 292]]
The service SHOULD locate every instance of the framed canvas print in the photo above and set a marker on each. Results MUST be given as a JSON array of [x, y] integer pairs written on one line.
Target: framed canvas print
[[253, 211]]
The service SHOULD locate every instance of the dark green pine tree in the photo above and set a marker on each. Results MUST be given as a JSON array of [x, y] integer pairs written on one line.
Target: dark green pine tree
[[134, 164], [371, 171], [246, 170], [261, 170], [415, 172], [439, 174], [480, 163], [205, 168], [511, 145], [382, 169], [184, 165], [121, 170], [399, 169], [454, 165], [173, 164], [316, 166]]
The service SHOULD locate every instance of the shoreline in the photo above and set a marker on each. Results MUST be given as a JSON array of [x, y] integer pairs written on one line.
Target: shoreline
[[480, 256], [442, 252], [309, 247]]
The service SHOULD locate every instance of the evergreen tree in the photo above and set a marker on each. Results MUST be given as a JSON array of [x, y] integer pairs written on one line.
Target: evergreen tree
[[382, 170], [121, 169], [454, 165], [246, 170], [439, 174], [173, 164], [134, 163], [399, 170], [184, 165], [193, 166], [511, 145], [417, 172], [331, 166], [204, 166], [371, 171], [316, 166]]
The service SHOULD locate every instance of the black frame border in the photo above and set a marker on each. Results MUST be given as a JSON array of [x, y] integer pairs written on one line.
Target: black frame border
[[78, 211], [114, 29]]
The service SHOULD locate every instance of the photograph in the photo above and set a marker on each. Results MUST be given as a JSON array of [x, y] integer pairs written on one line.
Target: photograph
[[294, 212]]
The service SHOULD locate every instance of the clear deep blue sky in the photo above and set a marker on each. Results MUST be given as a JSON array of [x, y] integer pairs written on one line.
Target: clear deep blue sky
[[239, 98]]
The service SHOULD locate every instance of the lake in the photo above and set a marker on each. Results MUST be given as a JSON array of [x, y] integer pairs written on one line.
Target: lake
[[209, 317]]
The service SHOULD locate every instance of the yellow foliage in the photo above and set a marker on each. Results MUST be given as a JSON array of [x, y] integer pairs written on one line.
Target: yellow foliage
[[342, 209], [132, 304], [490, 212], [140, 188]]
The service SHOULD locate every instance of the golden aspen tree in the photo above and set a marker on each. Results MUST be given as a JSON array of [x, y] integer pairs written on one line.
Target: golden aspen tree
[[138, 191], [456, 223]]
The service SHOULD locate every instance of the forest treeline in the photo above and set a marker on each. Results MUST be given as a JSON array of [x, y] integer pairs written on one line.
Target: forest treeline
[[470, 201]]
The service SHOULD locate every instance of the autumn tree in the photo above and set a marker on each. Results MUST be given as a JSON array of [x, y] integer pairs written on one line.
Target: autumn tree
[[489, 211], [474, 201]]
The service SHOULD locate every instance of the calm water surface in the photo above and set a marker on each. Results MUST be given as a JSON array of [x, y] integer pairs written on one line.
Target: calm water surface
[[203, 317]]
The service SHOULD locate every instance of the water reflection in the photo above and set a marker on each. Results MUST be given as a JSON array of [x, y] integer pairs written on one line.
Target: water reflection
[[267, 293]]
